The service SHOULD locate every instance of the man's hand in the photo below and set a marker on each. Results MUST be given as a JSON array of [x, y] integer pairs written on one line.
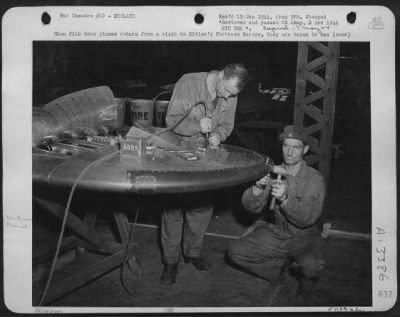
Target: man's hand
[[278, 189], [261, 184], [264, 182], [214, 139], [205, 125]]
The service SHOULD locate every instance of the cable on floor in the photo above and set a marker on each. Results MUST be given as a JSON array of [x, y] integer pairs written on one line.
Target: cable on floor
[[64, 221], [126, 262], [81, 174]]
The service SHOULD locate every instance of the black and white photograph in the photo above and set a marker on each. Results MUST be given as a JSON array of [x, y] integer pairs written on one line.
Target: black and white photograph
[[172, 175], [84, 90]]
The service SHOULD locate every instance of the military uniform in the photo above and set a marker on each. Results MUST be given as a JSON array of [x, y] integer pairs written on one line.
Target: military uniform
[[190, 89], [293, 235]]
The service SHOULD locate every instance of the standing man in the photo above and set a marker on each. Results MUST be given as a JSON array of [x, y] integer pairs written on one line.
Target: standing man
[[186, 219], [294, 238]]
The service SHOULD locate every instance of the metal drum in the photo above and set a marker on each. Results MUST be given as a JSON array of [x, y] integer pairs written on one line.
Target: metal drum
[[160, 107], [141, 110], [120, 102]]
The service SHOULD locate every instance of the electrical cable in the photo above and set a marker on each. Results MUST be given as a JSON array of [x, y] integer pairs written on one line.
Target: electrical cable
[[64, 221], [125, 262], [81, 174], [179, 121]]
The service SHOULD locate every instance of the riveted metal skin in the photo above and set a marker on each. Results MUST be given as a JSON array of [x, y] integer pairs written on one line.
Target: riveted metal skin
[[162, 171]]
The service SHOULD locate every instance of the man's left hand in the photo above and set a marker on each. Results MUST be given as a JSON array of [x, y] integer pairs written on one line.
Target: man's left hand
[[278, 189]]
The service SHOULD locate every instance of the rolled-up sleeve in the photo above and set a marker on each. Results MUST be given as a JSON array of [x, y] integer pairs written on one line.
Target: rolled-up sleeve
[[253, 203]]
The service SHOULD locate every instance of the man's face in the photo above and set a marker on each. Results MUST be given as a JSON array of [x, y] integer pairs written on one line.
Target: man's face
[[293, 151], [227, 88]]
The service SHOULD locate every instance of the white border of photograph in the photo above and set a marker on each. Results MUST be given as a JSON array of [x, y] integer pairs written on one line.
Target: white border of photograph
[[21, 26]]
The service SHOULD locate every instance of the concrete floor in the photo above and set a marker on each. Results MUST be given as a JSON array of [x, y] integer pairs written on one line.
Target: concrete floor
[[345, 282]]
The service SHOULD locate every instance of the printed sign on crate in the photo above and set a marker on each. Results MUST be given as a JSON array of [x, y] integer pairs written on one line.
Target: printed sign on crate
[[131, 147]]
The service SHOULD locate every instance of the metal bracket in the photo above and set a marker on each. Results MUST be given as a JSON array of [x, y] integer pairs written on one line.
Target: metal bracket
[[143, 184]]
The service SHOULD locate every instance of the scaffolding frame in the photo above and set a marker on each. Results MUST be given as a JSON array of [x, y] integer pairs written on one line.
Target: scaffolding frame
[[315, 99]]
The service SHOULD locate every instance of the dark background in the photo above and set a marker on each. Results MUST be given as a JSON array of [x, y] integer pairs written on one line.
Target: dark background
[[60, 68], [63, 67], [341, 129]]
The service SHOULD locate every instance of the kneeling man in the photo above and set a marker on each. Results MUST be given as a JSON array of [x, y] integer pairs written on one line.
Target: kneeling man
[[293, 239]]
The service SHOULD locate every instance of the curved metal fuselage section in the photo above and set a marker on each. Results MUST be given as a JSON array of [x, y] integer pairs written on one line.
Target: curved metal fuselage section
[[66, 142], [161, 172]]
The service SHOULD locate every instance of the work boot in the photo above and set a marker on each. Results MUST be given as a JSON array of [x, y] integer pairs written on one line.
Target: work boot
[[199, 262], [168, 276], [305, 288], [286, 265], [281, 277], [305, 285]]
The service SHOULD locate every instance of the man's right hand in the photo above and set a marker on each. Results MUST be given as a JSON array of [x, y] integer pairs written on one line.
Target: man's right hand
[[205, 125], [264, 182], [261, 184]]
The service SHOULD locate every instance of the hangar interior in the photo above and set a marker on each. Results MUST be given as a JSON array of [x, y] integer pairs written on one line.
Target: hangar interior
[[137, 70]]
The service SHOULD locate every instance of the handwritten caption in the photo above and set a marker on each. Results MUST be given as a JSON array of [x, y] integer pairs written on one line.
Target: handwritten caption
[[247, 26], [41, 310], [17, 222], [345, 309], [382, 268]]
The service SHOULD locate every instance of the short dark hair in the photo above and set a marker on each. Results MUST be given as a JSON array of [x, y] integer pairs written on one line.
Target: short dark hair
[[237, 70]]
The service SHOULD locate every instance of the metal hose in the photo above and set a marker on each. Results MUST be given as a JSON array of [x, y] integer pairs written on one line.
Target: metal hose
[[178, 122]]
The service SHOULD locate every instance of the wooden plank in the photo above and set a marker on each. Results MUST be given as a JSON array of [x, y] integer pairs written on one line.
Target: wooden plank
[[323, 49], [334, 233], [313, 97], [329, 109], [86, 274], [301, 84], [313, 112], [315, 79], [90, 221], [314, 128], [75, 224], [314, 145], [121, 220], [313, 65], [44, 255], [303, 101]]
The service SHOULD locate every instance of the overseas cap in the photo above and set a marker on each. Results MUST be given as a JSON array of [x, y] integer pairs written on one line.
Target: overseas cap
[[290, 132]]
